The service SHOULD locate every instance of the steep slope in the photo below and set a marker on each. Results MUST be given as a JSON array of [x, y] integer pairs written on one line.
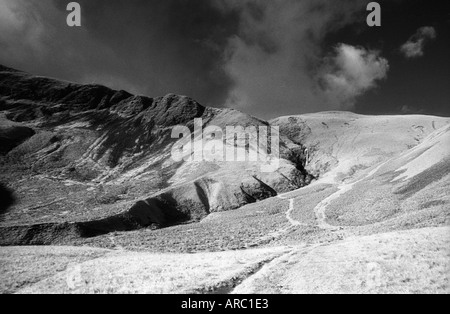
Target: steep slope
[[341, 144], [87, 160], [405, 191]]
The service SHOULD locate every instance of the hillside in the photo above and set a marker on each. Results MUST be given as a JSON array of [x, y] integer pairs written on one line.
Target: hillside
[[359, 204], [102, 160], [341, 144]]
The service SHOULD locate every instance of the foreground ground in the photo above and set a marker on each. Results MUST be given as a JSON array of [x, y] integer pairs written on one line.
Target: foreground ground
[[414, 261]]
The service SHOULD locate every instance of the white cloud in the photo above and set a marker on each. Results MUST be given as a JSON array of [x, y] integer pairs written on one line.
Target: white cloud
[[351, 72], [275, 57], [415, 46]]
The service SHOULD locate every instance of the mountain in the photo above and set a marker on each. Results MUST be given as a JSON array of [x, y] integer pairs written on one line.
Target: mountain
[[103, 160]]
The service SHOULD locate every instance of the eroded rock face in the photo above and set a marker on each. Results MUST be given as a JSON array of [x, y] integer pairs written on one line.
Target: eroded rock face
[[86, 142]]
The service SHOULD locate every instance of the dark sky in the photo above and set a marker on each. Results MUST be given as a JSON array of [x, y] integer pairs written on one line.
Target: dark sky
[[417, 85], [265, 57]]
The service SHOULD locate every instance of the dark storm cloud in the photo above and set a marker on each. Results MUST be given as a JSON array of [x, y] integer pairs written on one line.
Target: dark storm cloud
[[152, 47]]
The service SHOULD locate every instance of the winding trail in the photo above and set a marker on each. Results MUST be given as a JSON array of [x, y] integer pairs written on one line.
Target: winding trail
[[292, 221], [322, 207]]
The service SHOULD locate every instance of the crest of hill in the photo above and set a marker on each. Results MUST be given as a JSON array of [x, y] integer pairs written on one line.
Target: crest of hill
[[30, 97]]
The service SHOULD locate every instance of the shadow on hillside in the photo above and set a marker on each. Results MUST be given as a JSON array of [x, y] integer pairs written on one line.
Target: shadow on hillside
[[7, 199]]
